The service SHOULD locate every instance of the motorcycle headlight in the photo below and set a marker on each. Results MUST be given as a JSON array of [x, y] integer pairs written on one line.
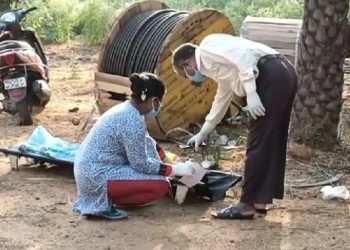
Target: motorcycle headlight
[[9, 17]]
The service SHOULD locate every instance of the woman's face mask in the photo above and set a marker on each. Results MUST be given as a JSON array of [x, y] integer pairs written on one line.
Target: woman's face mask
[[154, 112]]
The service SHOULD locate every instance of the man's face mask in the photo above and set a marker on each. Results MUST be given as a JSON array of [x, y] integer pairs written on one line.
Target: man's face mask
[[197, 77], [154, 112]]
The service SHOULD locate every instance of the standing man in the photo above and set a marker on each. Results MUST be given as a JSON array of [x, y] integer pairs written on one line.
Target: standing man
[[269, 83]]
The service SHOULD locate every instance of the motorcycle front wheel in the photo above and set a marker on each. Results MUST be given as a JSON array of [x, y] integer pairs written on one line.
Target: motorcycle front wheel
[[24, 112]]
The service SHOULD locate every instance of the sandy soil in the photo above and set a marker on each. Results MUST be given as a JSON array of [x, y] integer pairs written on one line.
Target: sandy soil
[[35, 210]]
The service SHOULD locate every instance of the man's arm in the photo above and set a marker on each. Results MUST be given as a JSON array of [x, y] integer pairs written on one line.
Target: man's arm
[[218, 109]]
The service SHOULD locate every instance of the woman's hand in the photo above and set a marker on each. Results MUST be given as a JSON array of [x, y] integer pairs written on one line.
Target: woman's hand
[[182, 169]]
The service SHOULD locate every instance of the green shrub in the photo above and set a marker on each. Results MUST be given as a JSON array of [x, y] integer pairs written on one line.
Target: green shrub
[[285, 9], [54, 20], [237, 10], [96, 19], [60, 20]]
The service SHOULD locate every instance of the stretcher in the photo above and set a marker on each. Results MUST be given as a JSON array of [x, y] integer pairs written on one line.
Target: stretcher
[[42, 147], [15, 155]]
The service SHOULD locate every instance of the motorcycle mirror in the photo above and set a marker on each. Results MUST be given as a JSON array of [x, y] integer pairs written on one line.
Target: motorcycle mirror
[[31, 9], [2, 26], [23, 12]]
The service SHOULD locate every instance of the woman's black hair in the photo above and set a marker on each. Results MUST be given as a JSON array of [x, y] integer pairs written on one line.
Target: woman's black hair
[[146, 85]]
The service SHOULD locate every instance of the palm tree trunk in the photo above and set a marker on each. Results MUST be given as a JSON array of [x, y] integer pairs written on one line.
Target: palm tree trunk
[[320, 67]]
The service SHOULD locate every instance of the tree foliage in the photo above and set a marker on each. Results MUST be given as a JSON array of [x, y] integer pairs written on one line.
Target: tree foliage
[[59, 21]]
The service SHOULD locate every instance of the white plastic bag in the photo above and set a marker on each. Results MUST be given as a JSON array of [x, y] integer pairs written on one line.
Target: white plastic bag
[[190, 181], [180, 195], [329, 192], [196, 177]]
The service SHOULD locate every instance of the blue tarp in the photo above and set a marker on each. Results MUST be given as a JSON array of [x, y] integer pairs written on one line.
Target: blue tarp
[[43, 143]]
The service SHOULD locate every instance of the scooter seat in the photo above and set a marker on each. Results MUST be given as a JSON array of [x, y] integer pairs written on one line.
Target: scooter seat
[[14, 44], [25, 54]]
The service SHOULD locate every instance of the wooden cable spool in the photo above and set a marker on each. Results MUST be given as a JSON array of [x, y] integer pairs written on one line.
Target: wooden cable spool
[[183, 103]]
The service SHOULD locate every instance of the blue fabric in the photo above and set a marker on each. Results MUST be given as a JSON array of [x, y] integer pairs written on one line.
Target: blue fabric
[[41, 142]]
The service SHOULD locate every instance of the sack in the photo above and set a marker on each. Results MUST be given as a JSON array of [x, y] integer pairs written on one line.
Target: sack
[[213, 186]]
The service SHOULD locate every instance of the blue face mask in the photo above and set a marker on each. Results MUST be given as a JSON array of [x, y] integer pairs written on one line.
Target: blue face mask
[[153, 112], [197, 77]]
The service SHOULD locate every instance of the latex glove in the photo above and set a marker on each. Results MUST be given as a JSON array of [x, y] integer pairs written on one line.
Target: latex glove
[[254, 105], [182, 169], [196, 140], [201, 136]]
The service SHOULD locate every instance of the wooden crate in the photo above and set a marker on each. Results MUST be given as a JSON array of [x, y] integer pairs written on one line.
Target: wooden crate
[[280, 34]]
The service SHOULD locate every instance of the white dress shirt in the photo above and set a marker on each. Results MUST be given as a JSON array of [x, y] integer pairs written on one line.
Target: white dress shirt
[[232, 62]]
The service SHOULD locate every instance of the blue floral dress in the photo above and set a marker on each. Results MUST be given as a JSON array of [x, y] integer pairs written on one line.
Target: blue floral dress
[[118, 147]]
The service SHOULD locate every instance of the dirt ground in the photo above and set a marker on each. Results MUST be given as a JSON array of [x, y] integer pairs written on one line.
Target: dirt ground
[[35, 203]]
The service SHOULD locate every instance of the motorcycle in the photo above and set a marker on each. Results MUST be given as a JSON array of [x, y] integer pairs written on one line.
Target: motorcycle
[[24, 73]]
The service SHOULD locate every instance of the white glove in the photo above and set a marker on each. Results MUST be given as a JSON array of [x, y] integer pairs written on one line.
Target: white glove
[[254, 105], [182, 169], [201, 136], [196, 140]]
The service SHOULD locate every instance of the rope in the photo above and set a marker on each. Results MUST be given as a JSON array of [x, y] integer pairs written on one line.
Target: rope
[[137, 46]]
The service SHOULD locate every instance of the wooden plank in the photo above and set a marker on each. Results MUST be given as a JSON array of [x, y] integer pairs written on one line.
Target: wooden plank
[[104, 101], [281, 24], [280, 34], [112, 87], [275, 44], [283, 28], [275, 24], [280, 29], [109, 78], [272, 20], [283, 33]]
